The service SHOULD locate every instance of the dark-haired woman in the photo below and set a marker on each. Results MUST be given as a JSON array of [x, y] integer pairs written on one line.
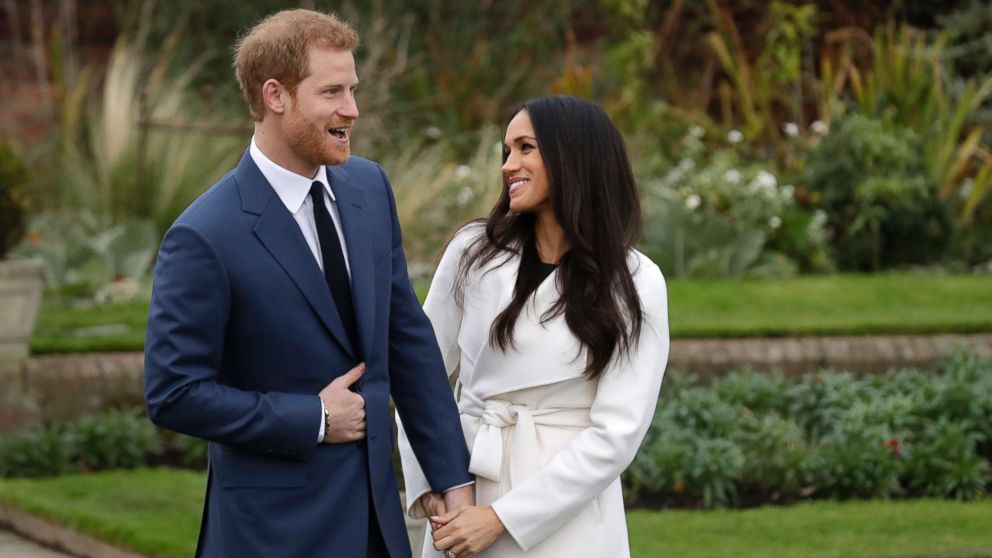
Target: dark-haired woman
[[558, 328]]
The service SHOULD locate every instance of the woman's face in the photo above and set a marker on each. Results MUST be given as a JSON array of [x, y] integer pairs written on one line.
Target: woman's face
[[523, 172]]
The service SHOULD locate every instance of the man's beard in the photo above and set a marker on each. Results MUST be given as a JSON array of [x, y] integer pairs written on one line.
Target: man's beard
[[312, 144]]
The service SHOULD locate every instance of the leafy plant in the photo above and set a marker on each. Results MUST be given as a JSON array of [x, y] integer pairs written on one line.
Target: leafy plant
[[882, 209], [38, 453], [944, 462], [113, 440], [13, 176]]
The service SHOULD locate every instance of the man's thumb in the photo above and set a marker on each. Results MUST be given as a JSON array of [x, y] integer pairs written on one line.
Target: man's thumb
[[350, 376]]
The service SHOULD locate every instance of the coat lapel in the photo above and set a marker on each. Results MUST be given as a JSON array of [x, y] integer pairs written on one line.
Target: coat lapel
[[281, 236], [357, 228]]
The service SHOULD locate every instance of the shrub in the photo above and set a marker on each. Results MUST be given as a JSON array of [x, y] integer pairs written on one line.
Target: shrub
[[38, 453], [13, 176], [817, 401], [944, 462], [776, 457], [858, 461], [882, 206], [113, 440], [758, 392]]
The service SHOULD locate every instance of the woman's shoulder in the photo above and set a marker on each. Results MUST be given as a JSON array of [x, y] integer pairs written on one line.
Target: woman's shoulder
[[467, 235]]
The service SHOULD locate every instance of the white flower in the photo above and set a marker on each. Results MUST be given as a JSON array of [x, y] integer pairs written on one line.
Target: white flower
[[433, 132], [775, 222], [464, 196], [693, 202], [735, 136], [732, 176], [819, 218], [788, 191], [686, 165], [819, 127], [966, 188], [696, 131], [463, 171], [763, 182], [791, 129]]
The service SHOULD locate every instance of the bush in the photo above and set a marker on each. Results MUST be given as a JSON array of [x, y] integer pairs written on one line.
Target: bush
[[944, 463], [13, 176], [751, 438], [882, 206], [858, 461], [726, 213], [111, 440], [39, 453], [776, 457]]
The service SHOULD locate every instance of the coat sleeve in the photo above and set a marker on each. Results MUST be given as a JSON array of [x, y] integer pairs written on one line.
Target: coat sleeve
[[184, 346], [429, 430], [621, 413], [446, 318]]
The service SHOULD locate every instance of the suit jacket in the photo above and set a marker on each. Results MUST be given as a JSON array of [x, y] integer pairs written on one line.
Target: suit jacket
[[548, 444], [243, 334]]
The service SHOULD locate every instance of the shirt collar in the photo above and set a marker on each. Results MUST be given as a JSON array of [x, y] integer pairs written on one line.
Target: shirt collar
[[291, 188]]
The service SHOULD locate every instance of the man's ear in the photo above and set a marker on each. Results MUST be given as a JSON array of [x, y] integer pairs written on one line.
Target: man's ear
[[275, 96]]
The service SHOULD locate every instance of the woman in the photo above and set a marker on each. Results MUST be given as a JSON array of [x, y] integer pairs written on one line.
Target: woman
[[559, 330]]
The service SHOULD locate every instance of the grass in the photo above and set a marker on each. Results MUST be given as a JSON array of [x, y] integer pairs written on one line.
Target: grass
[[876, 529], [819, 305], [157, 512], [76, 329], [831, 305]]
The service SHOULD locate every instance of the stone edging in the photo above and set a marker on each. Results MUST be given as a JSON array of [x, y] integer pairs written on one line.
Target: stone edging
[[58, 536]]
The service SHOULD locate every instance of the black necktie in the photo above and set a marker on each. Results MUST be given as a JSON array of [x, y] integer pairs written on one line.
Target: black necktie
[[335, 271]]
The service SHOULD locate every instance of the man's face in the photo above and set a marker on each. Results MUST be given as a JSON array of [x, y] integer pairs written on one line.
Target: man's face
[[321, 114]]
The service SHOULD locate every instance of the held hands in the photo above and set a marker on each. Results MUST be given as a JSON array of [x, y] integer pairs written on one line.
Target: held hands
[[466, 531], [435, 504], [346, 407]]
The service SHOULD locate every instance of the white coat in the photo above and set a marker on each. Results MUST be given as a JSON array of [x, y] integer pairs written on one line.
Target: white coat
[[548, 446]]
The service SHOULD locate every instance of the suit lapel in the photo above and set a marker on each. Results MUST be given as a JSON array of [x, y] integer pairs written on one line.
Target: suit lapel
[[357, 229], [281, 236]]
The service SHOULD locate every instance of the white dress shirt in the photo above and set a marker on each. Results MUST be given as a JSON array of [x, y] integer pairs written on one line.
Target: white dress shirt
[[294, 191]]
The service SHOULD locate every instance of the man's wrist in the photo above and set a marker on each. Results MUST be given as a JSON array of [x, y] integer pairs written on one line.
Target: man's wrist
[[327, 417]]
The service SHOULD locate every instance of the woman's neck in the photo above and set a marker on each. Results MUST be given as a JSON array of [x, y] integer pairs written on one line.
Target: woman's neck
[[549, 238]]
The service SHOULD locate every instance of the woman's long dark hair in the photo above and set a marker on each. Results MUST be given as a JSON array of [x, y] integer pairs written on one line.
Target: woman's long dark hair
[[594, 197]]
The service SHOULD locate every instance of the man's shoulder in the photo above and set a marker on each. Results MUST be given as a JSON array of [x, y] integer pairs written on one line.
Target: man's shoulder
[[361, 170], [216, 205]]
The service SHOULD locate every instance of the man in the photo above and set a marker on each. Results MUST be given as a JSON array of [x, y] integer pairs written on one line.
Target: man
[[282, 319]]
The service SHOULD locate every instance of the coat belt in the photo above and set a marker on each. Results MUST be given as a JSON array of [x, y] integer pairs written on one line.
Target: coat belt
[[495, 415]]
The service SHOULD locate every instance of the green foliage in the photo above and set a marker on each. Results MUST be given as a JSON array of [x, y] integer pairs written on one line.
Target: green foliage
[[85, 259], [722, 215], [882, 208], [748, 439], [13, 177], [34, 454], [112, 440], [945, 462]]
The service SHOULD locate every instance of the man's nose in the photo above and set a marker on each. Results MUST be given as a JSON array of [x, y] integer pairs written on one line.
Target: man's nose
[[350, 107]]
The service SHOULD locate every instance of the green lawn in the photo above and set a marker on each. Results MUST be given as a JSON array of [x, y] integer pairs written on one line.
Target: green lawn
[[157, 512], [837, 304]]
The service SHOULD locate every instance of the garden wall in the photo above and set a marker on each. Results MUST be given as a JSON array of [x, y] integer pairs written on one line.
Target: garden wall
[[59, 388]]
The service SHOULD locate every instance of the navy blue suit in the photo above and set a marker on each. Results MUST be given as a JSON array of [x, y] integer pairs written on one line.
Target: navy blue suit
[[242, 335]]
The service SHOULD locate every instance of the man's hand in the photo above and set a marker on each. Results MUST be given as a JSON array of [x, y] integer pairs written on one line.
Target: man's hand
[[347, 408], [433, 504], [458, 498], [467, 531]]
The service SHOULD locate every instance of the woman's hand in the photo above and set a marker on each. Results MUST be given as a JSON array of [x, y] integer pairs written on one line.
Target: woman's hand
[[467, 531]]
